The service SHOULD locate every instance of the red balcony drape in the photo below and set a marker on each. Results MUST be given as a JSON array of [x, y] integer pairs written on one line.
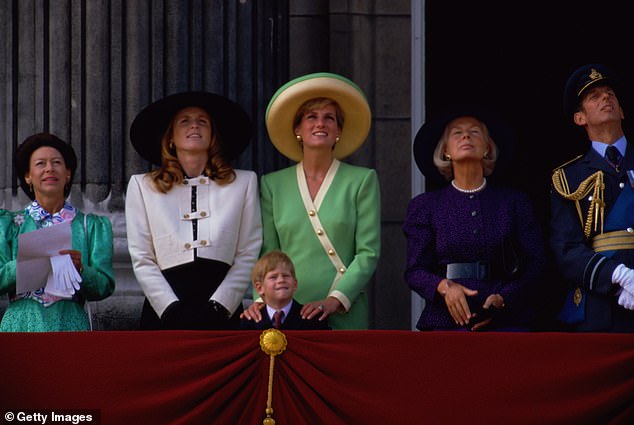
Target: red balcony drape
[[323, 377]]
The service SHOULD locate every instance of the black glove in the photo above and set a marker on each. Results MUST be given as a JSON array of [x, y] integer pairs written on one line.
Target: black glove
[[217, 315], [177, 316]]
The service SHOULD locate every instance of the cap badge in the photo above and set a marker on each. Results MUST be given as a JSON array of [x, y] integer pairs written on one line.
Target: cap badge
[[595, 75]]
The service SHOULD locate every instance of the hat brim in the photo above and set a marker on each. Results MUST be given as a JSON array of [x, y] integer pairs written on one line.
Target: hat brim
[[232, 125], [430, 133], [284, 104], [572, 98]]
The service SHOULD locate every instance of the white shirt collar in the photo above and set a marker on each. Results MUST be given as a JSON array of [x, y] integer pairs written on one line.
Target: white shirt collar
[[285, 309]]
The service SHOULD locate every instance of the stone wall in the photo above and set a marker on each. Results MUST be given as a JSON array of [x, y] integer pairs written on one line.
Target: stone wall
[[91, 66]]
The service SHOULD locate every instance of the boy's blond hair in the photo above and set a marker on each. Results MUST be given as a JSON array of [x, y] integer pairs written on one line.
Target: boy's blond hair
[[268, 262]]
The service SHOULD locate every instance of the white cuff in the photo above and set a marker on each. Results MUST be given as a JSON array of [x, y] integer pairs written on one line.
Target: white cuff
[[343, 299]]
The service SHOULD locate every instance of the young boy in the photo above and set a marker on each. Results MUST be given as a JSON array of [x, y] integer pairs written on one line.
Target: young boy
[[274, 279]]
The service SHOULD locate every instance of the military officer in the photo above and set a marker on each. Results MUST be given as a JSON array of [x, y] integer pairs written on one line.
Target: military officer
[[592, 206]]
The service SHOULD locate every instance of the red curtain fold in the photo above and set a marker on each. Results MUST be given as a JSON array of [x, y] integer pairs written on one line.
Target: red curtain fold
[[324, 377]]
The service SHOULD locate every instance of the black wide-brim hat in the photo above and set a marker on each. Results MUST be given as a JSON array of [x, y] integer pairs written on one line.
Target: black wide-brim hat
[[34, 142], [584, 78], [430, 132], [232, 125]]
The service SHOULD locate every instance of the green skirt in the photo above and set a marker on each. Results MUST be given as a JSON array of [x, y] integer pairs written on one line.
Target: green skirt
[[27, 315]]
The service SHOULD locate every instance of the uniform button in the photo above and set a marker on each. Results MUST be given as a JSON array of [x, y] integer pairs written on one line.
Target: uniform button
[[188, 246], [590, 198], [629, 229], [311, 213], [185, 182], [475, 231], [320, 232], [474, 213], [331, 252], [186, 216], [203, 242], [342, 270], [471, 196], [201, 181], [621, 185], [203, 214]]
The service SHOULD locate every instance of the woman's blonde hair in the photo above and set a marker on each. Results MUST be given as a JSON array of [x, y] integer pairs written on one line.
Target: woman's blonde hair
[[444, 164], [318, 103], [170, 172]]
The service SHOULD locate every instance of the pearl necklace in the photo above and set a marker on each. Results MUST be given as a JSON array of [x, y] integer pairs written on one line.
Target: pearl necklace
[[477, 189]]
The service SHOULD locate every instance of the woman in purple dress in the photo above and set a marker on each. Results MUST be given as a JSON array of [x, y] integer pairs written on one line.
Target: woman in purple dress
[[475, 252]]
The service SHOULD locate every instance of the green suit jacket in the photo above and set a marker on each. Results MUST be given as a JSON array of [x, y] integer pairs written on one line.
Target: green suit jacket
[[350, 214]]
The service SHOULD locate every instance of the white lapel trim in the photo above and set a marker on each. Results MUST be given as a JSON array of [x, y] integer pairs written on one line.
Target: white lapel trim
[[312, 209]]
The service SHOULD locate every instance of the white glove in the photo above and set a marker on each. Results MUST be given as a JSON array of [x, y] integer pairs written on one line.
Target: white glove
[[57, 288], [64, 268], [63, 280], [624, 276], [626, 299]]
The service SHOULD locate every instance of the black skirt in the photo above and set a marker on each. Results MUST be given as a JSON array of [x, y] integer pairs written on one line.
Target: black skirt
[[193, 283]]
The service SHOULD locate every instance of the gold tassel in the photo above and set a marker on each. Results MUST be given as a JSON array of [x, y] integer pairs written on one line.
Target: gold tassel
[[273, 343]]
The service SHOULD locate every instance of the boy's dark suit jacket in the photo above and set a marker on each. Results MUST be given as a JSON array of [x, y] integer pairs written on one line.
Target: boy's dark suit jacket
[[292, 322]]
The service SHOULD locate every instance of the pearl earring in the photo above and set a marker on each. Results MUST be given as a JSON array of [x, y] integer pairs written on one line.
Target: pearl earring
[[298, 137]]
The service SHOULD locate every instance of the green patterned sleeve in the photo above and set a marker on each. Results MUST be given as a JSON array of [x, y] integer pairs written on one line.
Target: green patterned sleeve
[[7, 252], [97, 274]]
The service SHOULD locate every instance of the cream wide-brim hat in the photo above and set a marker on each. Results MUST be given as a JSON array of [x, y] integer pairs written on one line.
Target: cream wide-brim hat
[[287, 100]]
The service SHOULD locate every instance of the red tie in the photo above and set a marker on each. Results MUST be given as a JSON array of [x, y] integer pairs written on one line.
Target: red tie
[[277, 319]]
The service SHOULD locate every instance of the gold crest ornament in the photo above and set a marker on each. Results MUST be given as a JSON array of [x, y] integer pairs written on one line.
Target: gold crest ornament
[[273, 343], [577, 297], [595, 75]]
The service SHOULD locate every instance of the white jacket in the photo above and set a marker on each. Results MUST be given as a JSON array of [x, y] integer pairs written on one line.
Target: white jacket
[[159, 233]]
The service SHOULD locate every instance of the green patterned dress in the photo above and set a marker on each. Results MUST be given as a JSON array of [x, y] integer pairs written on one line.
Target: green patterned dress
[[40, 312]]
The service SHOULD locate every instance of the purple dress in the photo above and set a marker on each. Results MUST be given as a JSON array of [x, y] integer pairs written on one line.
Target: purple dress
[[496, 226]]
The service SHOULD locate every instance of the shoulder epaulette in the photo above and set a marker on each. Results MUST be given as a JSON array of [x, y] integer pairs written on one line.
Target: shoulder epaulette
[[568, 163]]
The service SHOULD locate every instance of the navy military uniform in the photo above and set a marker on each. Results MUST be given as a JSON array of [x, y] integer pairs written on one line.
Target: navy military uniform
[[574, 253], [582, 228]]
